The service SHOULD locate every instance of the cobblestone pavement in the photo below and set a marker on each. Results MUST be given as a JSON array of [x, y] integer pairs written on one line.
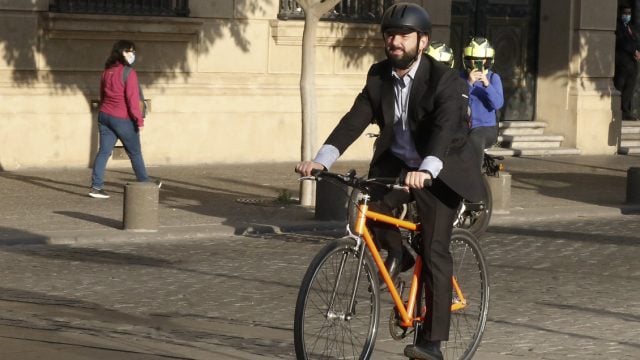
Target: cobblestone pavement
[[560, 290]]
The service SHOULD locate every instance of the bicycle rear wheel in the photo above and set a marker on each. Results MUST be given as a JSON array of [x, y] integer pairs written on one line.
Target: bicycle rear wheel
[[470, 272], [475, 217], [324, 326]]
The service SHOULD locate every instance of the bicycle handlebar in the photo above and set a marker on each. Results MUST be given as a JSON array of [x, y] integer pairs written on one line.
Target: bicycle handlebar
[[351, 180]]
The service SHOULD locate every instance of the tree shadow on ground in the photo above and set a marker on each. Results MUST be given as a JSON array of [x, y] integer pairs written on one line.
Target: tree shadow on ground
[[603, 238], [608, 190]]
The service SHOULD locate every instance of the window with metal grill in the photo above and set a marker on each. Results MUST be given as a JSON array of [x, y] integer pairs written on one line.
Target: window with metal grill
[[122, 7], [367, 11]]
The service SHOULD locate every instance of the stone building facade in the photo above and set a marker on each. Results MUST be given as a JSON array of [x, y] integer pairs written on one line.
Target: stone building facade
[[223, 82]]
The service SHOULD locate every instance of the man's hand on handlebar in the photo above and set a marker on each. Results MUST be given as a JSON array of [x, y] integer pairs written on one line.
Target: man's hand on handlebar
[[417, 179], [304, 168]]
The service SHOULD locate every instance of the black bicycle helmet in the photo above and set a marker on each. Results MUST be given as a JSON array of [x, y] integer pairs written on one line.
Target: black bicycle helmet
[[406, 16]]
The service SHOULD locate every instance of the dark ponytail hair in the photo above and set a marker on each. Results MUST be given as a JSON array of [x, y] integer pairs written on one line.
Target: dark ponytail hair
[[116, 53]]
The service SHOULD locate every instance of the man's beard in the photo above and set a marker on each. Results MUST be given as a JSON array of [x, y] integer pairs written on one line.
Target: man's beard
[[404, 61]]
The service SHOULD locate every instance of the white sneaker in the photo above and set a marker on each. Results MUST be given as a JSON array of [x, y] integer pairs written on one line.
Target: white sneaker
[[98, 194]]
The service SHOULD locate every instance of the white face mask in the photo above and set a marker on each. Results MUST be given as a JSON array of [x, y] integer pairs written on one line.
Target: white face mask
[[130, 57], [625, 18]]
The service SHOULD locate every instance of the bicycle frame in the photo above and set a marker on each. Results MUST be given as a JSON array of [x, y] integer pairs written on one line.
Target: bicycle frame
[[363, 232]]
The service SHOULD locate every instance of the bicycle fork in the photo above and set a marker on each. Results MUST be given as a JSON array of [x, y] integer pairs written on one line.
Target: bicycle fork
[[360, 250], [351, 309]]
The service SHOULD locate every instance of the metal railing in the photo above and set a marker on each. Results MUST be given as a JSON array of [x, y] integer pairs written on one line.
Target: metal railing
[[122, 7], [346, 11]]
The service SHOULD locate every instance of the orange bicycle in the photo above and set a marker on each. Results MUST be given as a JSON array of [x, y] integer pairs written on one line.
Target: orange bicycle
[[337, 309]]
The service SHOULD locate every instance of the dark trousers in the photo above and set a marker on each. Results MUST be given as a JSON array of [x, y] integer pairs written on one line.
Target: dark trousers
[[483, 137], [437, 207], [624, 79]]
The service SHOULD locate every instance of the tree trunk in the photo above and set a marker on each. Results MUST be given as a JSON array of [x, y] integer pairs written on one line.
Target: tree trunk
[[313, 10], [308, 101]]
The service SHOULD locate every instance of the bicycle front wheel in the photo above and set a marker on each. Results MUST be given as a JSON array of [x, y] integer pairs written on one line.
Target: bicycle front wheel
[[470, 273], [325, 325]]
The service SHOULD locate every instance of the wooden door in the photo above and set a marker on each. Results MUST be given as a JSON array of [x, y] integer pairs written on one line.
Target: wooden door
[[511, 26]]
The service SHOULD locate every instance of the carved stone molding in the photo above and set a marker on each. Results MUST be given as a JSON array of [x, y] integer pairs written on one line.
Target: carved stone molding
[[329, 33], [83, 26]]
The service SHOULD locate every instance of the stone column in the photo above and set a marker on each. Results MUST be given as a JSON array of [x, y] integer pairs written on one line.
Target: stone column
[[576, 63]]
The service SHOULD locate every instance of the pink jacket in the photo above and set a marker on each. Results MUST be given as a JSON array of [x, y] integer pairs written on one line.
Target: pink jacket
[[116, 99]]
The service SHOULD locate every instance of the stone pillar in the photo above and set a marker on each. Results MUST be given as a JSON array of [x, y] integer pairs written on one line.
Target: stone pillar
[[140, 212], [575, 70], [633, 186], [501, 192]]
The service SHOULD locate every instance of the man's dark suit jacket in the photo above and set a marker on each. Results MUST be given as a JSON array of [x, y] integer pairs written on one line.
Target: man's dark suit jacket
[[626, 43], [438, 122]]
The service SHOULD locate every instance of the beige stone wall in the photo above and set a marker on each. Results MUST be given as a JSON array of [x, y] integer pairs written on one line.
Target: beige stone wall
[[223, 84]]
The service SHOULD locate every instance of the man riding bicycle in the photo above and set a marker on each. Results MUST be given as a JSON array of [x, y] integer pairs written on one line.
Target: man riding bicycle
[[420, 106]]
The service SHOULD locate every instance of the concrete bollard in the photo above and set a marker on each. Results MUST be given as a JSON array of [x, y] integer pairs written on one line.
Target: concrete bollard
[[633, 185], [140, 211], [331, 200], [501, 192]]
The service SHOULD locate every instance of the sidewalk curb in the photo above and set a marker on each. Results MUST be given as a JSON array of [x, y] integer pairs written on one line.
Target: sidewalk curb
[[195, 232], [563, 213], [164, 234]]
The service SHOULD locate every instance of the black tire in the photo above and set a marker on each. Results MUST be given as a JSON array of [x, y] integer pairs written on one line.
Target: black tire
[[352, 208], [321, 332], [475, 217], [470, 270]]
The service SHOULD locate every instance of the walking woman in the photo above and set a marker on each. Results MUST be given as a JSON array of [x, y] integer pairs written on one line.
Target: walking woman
[[120, 115]]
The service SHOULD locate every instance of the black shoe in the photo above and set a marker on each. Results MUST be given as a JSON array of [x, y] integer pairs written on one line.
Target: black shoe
[[428, 350], [628, 117]]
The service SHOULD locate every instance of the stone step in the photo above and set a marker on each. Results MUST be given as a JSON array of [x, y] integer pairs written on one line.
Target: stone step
[[508, 138], [530, 141], [630, 129], [522, 124], [522, 127], [624, 150], [526, 138], [630, 123], [629, 143], [522, 131], [630, 136], [532, 152]]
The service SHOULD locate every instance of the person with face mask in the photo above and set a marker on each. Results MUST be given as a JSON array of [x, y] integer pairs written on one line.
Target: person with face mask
[[485, 93], [420, 106], [626, 63], [120, 116]]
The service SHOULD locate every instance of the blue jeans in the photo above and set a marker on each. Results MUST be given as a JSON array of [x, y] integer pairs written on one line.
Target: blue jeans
[[111, 129]]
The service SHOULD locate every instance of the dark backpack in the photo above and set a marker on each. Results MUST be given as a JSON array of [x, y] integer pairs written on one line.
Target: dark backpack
[[143, 103]]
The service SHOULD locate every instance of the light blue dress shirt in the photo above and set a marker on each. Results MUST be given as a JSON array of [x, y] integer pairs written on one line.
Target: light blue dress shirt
[[403, 146]]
